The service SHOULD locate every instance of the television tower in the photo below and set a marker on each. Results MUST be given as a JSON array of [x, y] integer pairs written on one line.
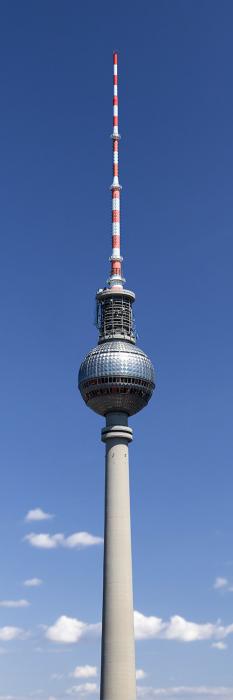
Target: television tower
[[116, 380]]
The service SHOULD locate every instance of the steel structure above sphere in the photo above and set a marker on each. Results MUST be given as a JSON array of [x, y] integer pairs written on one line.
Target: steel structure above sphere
[[116, 376]]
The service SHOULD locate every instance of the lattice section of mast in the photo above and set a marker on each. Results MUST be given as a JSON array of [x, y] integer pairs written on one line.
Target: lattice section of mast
[[115, 315]]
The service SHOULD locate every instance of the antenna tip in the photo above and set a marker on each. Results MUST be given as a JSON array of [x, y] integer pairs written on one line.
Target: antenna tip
[[115, 56]]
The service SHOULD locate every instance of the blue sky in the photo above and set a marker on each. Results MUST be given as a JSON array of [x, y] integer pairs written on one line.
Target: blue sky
[[176, 155]]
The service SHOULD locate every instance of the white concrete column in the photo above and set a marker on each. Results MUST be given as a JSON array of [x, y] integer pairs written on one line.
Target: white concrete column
[[118, 654]]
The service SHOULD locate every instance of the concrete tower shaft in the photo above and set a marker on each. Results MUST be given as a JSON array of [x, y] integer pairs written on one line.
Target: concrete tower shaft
[[118, 656]]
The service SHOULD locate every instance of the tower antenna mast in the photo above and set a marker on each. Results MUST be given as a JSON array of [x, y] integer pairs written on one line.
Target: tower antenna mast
[[116, 279]]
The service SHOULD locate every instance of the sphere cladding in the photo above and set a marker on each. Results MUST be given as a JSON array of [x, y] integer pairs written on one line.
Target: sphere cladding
[[116, 376]]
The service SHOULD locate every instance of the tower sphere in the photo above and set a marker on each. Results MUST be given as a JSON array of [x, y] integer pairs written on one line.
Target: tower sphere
[[116, 376]]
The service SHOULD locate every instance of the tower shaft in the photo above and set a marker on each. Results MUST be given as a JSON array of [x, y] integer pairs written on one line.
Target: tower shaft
[[118, 654]]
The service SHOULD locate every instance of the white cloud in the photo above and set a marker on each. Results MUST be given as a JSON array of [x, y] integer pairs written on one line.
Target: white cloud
[[140, 674], [83, 689], [222, 584], [147, 627], [84, 672], [8, 633], [14, 603], [67, 630], [219, 645], [32, 582], [37, 514], [82, 539], [186, 691], [44, 540], [185, 631], [77, 539], [177, 628]]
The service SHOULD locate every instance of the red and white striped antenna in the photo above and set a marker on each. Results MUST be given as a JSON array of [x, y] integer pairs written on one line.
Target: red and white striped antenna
[[116, 279]]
